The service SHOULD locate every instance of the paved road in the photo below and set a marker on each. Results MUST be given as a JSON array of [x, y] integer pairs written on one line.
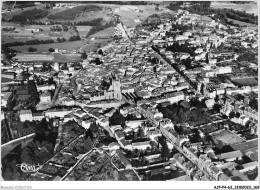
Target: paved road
[[56, 94]]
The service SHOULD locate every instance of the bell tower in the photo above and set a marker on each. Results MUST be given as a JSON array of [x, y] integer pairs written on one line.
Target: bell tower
[[116, 85]]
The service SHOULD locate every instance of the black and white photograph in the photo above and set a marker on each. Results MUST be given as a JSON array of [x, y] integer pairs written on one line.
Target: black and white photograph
[[98, 94]]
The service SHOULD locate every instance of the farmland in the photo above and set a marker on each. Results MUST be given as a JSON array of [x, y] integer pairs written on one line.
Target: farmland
[[131, 14], [23, 33], [249, 8], [87, 46], [44, 47], [250, 81], [95, 45], [83, 30], [104, 33], [240, 23], [71, 14], [198, 17], [16, 11]]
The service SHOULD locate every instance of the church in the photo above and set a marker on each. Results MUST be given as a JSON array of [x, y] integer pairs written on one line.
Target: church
[[108, 91]]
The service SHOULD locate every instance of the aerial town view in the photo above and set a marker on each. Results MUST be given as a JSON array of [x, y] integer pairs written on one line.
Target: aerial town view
[[129, 91]]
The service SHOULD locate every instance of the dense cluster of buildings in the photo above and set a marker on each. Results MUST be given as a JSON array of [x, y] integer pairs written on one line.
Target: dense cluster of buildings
[[122, 94]]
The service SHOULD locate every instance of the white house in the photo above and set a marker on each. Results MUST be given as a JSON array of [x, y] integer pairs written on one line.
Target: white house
[[45, 97], [134, 124], [45, 87], [38, 116], [57, 113], [209, 103], [25, 115], [86, 124], [141, 145]]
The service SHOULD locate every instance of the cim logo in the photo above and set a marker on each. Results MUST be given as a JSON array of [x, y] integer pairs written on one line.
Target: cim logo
[[28, 167]]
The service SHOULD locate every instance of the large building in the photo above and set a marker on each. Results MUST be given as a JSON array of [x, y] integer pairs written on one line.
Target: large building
[[112, 93]]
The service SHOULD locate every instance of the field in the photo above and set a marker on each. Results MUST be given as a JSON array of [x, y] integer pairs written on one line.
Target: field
[[16, 11], [245, 81], [23, 33], [83, 30], [67, 57], [91, 46], [45, 47], [107, 32], [71, 14], [130, 13], [95, 45], [240, 23], [198, 17], [249, 8], [227, 137]]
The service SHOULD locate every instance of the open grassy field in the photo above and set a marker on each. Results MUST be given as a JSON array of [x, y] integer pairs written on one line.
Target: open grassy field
[[198, 17], [103, 33], [17, 11], [249, 8], [83, 30], [246, 24], [45, 47], [95, 45], [23, 33], [250, 81], [71, 14], [88, 47], [130, 13], [227, 137]]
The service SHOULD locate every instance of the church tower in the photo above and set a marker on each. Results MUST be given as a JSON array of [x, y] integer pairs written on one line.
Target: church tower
[[114, 91], [116, 85]]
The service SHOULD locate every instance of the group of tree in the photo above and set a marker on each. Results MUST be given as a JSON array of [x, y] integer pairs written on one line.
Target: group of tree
[[151, 22], [165, 152], [8, 29], [203, 8], [176, 47], [84, 55], [247, 56], [253, 103], [117, 119], [99, 27], [8, 52], [179, 114], [61, 40], [174, 6], [32, 49], [5, 137], [38, 151], [34, 96], [56, 28], [32, 14], [115, 2], [181, 27], [29, 42], [71, 14], [92, 22], [51, 50], [74, 38]]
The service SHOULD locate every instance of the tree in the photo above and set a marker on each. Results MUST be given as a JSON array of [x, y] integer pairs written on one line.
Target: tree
[[84, 55], [217, 107], [253, 103], [216, 98], [31, 49], [51, 50], [232, 115], [97, 61], [165, 152], [100, 52]]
